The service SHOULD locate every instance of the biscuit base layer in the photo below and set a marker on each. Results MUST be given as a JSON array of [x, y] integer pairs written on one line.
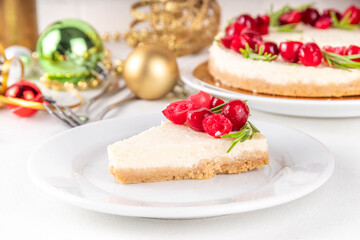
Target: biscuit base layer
[[298, 89], [206, 169]]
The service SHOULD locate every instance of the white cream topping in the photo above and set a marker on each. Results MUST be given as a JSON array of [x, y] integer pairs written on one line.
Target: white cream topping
[[333, 37], [170, 145], [278, 71]]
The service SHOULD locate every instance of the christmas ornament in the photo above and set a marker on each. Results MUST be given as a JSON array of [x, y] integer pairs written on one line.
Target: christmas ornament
[[151, 71], [71, 54], [184, 26], [25, 56], [5, 65], [27, 91]]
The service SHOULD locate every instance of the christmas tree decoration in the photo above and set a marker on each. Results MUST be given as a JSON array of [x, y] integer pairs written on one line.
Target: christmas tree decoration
[[71, 54], [27, 91], [25, 55], [5, 65], [151, 71], [184, 26]]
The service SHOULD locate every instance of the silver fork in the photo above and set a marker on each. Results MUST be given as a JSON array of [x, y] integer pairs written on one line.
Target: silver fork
[[64, 113], [67, 116]]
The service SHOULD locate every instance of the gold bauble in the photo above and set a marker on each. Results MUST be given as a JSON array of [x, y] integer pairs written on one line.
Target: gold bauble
[[151, 71]]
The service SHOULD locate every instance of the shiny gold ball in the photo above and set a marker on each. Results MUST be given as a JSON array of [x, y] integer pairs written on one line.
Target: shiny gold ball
[[151, 71]]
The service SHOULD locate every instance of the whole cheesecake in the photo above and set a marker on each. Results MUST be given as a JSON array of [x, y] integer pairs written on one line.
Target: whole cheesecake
[[173, 152], [280, 77]]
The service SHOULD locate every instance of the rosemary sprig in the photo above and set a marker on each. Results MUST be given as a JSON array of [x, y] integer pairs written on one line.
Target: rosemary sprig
[[275, 15], [218, 108], [249, 53], [344, 23], [246, 132], [287, 28], [340, 61]]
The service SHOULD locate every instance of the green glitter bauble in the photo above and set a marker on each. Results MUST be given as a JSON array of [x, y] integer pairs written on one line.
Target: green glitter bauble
[[69, 50]]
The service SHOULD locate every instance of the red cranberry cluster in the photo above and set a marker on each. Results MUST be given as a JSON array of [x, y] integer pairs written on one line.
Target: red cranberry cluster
[[311, 16], [309, 54], [204, 113]]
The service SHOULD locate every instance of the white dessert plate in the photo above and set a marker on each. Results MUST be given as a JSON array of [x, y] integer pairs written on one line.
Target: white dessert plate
[[73, 166], [320, 108]]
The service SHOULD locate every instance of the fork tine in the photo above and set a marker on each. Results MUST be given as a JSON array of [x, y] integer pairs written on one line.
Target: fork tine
[[74, 116], [63, 115], [53, 113]]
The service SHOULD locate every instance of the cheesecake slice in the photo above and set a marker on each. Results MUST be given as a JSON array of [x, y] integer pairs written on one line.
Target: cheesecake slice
[[173, 152]]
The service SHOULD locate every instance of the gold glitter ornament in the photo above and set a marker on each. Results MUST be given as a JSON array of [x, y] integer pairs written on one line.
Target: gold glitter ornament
[[183, 26]]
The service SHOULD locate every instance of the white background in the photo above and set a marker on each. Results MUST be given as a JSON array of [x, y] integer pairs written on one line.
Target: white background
[[26, 212]]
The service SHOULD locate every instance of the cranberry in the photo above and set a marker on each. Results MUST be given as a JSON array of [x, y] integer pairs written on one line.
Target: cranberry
[[176, 112], [215, 102], [309, 16], [234, 29], [270, 48], [310, 54], [293, 16], [265, 18], [327, 13], [337, 50], [247, 22], [352, 50], [289, 51], [217, 125], [251, 38], [354, 16], [195, 117], [226, 41], [323, 22], [262, 25], [237, 112], [200, 99]]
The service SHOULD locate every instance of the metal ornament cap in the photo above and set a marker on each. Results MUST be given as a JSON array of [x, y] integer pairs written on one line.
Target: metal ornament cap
[[151, 71]]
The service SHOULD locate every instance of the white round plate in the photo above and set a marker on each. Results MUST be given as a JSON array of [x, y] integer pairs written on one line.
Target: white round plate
[[284, 106], [73, 166]]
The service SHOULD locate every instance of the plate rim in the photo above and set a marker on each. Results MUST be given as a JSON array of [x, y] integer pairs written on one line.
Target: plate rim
[[177, 212]]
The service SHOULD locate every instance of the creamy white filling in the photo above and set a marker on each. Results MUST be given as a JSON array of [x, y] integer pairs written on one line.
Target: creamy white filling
[[171, 145], [278, 71]]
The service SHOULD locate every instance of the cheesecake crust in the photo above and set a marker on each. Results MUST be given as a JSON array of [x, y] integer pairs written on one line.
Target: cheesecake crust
[[206, 169], [299, 89]]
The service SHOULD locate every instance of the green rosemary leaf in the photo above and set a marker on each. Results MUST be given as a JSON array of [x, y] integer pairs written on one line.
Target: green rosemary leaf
[[217, 107], [344, 23], [245, 137], [246, 132], [354, 56], [328, 61], [253, 127], [342, 62], [275, 15], [287, 28], [232, 146]]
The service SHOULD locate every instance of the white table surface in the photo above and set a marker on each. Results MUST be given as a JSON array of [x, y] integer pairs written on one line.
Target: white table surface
[[331, 212], [27, 212]]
